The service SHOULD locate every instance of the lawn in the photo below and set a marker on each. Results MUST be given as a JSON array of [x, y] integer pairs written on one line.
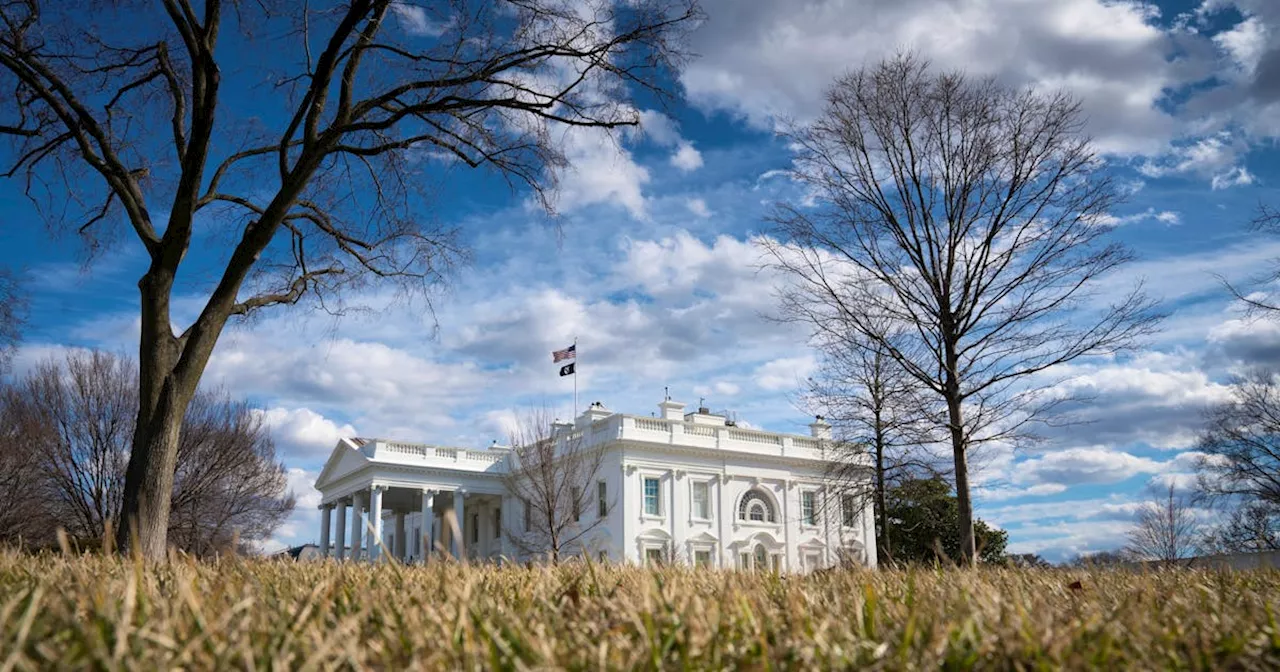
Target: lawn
[[90, 612]]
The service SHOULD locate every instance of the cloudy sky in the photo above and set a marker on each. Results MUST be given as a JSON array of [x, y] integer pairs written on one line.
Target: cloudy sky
[[652, 263]]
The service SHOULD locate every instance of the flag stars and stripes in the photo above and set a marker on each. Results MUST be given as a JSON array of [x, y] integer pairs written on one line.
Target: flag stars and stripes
[[568, 353]]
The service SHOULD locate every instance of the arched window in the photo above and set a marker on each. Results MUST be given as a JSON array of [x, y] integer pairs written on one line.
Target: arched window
[[762, 558], [756, 507]]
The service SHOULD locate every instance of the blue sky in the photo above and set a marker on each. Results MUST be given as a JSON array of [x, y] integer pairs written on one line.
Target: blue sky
[[652, 265]]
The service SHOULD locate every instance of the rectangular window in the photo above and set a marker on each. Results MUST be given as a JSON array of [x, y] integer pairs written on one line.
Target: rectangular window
[[652, 489], [576, 493], [808, 511], [813, 561], [653, 557], [475, 528], [528, 516], [497, 523], [702, 558], [604, 555], [701, 500], [602, 499], [417, 542], [848, 510]]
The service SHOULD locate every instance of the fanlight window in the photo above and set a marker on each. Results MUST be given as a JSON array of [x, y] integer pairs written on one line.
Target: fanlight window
[[755, 506]]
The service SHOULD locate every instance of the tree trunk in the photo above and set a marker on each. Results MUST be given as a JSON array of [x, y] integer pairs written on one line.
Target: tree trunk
[[882, 512], [968, 548], [163, 396]]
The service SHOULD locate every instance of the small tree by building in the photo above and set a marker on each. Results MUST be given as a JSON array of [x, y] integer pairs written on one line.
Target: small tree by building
[[875, 410], [923, 515], [555, 477]]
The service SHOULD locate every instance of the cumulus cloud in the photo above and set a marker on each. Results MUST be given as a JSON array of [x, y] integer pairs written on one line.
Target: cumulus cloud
[[302, 434], [1074, 466], [1140, 76], [699, 207], [687, 158]]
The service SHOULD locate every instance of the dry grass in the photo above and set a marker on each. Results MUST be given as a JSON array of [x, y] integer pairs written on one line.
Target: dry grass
[[100, 613]]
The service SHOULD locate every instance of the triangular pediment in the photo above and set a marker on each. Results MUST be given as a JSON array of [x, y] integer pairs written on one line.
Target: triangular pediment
[[704, 537], [345, 459]]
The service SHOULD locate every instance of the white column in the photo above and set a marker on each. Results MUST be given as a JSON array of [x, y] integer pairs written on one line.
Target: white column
[[325, 511], [357, 503], [724, 518], [400, 540], [458, 535], [428, 521], [507, 510], [375, 520], [340, 551]]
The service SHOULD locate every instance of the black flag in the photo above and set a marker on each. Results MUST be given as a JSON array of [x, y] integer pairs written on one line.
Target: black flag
[[567, 369]]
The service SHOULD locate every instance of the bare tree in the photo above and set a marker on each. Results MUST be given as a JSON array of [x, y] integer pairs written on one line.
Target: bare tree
[[313, 184], [13, 303], [1165, 529], [554, 475], [1257, 293], [23, 515], [74, 420], [970, 215], [873, 406], [229, 489], [1240, 470]]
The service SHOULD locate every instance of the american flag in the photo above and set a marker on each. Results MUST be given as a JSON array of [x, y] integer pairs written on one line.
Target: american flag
[[568, 353]]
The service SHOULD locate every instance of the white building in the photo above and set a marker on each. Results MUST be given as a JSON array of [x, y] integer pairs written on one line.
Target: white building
[[689, 487]]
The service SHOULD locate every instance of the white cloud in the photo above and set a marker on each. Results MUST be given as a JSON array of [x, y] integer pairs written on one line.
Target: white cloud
[[785, 373], [699, 207], [414, 20], [771, 58], [302, 433], [1074, 466], [600, 171], [687, 158], [1237, 176]]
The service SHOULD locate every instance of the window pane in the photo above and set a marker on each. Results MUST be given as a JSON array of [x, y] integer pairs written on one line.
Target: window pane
[[847, 508], [702, 558], [807, 511], [576, 493], [497, 523], [475, 528], [701, 507], [602, 505], [651, 490]]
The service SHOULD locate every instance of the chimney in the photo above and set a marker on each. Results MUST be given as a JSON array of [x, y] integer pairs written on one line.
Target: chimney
[[560, 427], [671, 410], [596, 411], [819, 428]]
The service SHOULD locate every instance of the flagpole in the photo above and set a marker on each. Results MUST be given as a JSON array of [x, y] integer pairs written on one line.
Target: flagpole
[[575, 379]]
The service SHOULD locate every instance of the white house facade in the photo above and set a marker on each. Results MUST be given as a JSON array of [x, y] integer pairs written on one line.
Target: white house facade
[[682, 487]]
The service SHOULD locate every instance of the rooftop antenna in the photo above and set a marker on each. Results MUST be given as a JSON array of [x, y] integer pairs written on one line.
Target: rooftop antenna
[[666, 393], [702, 401]]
